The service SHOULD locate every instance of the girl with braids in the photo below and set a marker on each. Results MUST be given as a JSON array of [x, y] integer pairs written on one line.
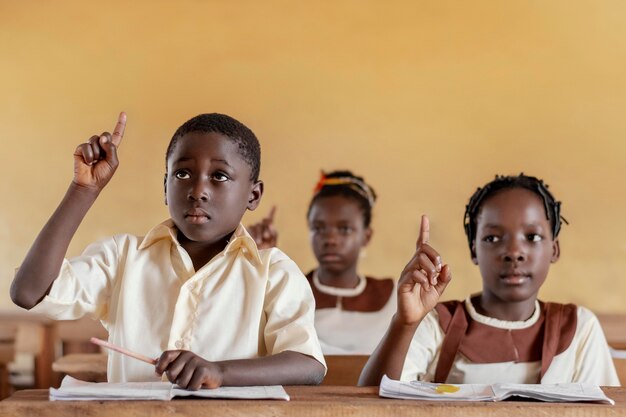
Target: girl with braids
[[503, 334], [352, 310]]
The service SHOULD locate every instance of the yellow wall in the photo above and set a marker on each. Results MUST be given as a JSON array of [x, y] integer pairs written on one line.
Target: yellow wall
[[426, 99]]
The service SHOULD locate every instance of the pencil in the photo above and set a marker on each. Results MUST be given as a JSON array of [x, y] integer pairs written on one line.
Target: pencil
[[111, 346]]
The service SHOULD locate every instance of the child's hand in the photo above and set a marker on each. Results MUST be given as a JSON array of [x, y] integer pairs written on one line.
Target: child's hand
[[189, 370], [264, 233], [95, 161], [422, 282]]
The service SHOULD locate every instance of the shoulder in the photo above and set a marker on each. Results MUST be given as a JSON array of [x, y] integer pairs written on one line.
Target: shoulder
[[445, 311]]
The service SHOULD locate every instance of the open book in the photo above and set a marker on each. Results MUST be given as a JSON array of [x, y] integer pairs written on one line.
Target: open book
[[417, 390], [74, 390]]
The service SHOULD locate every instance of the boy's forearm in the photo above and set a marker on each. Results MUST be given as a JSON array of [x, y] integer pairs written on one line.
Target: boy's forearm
[[388, 358], [43, 261], [285, 368]]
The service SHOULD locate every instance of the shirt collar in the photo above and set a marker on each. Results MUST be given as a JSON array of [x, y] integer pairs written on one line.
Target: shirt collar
[[240, 239]]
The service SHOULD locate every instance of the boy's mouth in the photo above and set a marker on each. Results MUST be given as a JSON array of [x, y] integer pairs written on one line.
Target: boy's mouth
[[197, 216]]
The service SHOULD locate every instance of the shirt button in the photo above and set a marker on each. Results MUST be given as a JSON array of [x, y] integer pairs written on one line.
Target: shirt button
[[179, 344]]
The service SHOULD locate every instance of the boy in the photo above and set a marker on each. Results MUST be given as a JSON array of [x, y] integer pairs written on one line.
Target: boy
[[195, 287]]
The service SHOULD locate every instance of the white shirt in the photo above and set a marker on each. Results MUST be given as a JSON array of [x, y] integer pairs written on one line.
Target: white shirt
[[587, 359], [243, 304], [344, 332]]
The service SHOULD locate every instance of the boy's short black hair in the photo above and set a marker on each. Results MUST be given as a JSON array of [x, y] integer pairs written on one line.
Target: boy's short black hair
[[348, 185], [240, 134], [502, 182]]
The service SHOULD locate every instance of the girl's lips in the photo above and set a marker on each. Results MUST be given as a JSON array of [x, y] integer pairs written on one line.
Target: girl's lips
[[330, 257], [515, 279]]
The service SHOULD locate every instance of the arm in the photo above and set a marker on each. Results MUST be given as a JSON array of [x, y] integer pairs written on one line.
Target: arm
[[422, 282], [190, 371], [264, 233], [95, 163]]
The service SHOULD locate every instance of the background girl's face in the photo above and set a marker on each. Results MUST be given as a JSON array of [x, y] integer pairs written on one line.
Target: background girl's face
[[337, 232], [514, 245]]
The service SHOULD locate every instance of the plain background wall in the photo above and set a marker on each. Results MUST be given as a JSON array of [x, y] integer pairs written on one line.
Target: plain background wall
[[426, 99]]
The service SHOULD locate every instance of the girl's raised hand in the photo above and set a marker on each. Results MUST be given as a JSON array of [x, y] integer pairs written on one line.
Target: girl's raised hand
[[96, 160], [264, 233], [423, 280]]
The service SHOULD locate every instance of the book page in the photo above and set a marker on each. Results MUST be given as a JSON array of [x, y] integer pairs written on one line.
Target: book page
[[268, 392], [435, 392], [566, 392], [72, 390]]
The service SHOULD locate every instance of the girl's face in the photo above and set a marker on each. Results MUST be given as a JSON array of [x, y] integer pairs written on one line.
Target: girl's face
[[337, 233], [514, 245]]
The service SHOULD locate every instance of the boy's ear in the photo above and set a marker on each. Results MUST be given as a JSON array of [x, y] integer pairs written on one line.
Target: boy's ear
[[256, 192], [556, 251], [473, 252], [165, 188]]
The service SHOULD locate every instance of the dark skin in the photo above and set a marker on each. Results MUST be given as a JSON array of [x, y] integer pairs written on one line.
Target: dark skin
[[420, 286], [338, 233], [208, 188], [513, 249]]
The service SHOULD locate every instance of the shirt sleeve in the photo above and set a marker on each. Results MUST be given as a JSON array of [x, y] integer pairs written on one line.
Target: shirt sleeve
[[594, 364], [289, 308], [424, 349], [83, 285]]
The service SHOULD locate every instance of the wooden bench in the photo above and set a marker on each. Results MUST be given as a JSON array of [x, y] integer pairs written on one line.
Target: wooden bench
[[7, 353], [344, 369]]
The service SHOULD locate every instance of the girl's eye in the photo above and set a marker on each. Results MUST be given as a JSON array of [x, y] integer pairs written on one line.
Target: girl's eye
[[345, 230], [182, 175], [491, 239], [534, 237], [219, 177]]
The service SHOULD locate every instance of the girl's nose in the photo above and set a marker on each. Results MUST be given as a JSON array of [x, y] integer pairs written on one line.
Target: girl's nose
[[515, 252]]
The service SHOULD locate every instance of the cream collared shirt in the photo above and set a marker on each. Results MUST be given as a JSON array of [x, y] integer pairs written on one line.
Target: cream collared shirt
[[244, 303]]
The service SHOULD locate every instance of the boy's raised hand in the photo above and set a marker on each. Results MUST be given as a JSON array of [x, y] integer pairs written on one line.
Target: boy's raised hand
[[188, 370], [264, 233], [423, 280], [96, 160]]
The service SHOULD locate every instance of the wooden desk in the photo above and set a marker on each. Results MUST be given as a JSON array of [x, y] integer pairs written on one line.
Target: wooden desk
[[305, 401], [90, 367], [43, 345], [614, 327]]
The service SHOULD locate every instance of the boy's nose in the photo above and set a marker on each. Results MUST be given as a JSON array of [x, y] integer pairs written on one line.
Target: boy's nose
[[198, 192]]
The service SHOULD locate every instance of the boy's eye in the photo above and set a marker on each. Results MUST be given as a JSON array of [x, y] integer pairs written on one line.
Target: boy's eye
[[182, 175], [219, 177], [491, 239], [534, 237]]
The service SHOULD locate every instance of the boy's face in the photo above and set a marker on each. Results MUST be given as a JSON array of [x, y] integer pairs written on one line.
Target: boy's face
[[208, 187], [514, 245], [337, 233]]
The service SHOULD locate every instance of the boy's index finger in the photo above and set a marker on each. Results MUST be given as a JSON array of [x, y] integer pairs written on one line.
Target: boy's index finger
[[120, 127], [424, 235]]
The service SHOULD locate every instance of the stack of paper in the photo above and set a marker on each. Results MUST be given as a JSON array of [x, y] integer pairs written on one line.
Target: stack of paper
[[75, 390], [417, 390]]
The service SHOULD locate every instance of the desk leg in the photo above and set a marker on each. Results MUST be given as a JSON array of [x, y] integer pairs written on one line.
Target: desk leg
[[43, 361]]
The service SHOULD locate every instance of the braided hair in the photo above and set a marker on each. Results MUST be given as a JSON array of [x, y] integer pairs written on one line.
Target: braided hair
[[502, 182], [348, 185]]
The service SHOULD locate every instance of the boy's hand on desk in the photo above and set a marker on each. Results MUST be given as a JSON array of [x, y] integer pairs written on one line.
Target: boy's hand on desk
[[423, 280], [264, 233], [95, 161], [189, 370]]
